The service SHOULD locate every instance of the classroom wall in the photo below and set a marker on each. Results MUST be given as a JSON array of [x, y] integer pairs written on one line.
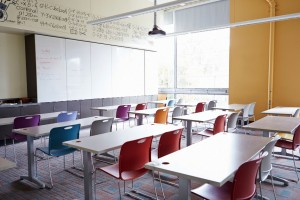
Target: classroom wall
[[249, 55]]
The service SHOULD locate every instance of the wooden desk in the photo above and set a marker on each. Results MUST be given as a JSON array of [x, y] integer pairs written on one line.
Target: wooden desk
[[6, 164], [199, 117], [270, 124], [231, 107], [109, 141], [145, 112], [281, 111], [213, 160], [44, 116], [108, 108], [44, 130]]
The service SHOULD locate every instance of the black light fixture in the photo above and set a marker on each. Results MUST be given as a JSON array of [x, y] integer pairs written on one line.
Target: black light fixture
[[156, 30]]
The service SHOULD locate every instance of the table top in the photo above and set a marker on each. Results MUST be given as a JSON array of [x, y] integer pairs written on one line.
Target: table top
[[44, 116], [112, 140], [160, 101], [108, 108], [150, 111], [202, 116], [281, 111], [6, 164], [232, 107], [213, 160], [275, 124], [187, 104], [43, 130]]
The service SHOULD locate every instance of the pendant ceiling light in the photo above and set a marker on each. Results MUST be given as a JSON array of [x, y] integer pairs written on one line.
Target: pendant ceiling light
[[156, 30]]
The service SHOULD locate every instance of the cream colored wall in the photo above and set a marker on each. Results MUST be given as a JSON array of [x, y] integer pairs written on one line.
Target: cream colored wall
[[12, 66], [249, 55]]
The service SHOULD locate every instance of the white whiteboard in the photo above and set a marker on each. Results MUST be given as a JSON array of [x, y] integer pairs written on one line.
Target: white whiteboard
[[127, 72], [78, 58], [151, 80], [50, 69], [101, 70]]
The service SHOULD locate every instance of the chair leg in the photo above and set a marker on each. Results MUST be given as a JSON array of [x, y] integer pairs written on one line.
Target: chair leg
[[260, 190], [14, 151], [295, 166], [50, 174], [5, 148], [273, 185]]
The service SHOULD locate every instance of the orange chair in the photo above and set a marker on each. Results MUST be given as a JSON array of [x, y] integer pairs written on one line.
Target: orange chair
[[219, 126], [161, 116], [291, 145], [133, 156], [243, 186]]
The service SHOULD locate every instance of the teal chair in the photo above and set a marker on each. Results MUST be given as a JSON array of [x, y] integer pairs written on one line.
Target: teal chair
[[56, 148]]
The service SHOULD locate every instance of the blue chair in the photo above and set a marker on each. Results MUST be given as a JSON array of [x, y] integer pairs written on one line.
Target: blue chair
[[66, 116], [56, 148], [171, 103]]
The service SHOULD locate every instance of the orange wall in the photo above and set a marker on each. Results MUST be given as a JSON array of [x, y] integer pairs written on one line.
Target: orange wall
[[249, 55]]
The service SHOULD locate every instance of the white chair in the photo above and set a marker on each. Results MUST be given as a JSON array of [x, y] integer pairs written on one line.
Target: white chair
[[176, 112], [232, 122], [244, 116], [211, 104], [251, 111]]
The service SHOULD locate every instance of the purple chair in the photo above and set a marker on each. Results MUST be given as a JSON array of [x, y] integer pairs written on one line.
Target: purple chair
[[22, 122], [122, 114]]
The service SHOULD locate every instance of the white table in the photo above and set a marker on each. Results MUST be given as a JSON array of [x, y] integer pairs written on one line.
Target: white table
[[6, 164], [44, 130], [231, 107], [145, 112], [185, 106], [44, 116], [108, 108], [109, 141], [199, 117], [213, 160], [281, 111], [160, 101]]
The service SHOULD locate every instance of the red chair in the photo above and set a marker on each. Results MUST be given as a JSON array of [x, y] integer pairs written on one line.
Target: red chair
[[140, 106], [242, 188], [133, 156], [291, 145], [200, 107], [219, 126], [161, 116]]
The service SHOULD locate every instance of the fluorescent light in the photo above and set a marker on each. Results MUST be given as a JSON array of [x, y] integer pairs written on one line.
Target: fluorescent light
[[237, 24], [156, 8]]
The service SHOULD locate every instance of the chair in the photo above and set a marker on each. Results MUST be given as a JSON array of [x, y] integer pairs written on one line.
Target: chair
[[177, 111], [211, 104], [180, 101], [161, 116], [133, 156], [122, 114], [140, 106], [291, 145], [289, 136], [244, 116], [66, 116], [265, 170], [232, 122], [200, 107], [21, 122], [251, 111], [219, 126], [56, 148], [243, 186], [171, 103]]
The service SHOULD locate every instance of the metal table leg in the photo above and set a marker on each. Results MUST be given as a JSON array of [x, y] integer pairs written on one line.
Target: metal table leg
[[88, 176], [184, 189]]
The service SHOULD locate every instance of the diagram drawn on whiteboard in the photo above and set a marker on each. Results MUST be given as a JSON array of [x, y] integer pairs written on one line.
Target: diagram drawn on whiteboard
[[4, 4]]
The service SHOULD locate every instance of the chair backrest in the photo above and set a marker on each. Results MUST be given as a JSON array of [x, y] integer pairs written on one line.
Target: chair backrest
[[297, 112], [180, 101], [66, 116], [211, 104], [232, 121], [219, 125], [59, 135], [101, 126], [245, 179], [161, 116], [171, 103], [169, 142], [24, 122], [200, 107], [134, 155], [122, 112], [246, 111], [251, 109], [140, 106], [296, 138], [266, 164], [178, 111]]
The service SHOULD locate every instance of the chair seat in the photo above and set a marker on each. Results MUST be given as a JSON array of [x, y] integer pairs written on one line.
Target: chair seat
[[58, 152], [286, 144], [286, 136], [207, 133], [214, 193], [120, 119], [113, 170]]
